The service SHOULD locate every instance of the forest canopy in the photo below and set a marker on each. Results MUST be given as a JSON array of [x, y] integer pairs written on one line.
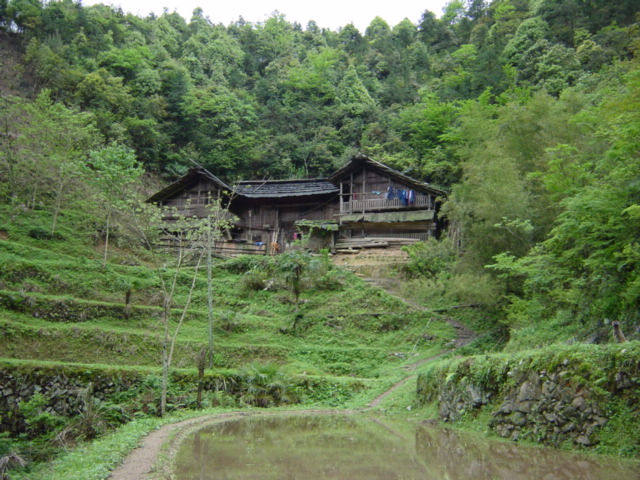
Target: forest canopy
[[277, 99]]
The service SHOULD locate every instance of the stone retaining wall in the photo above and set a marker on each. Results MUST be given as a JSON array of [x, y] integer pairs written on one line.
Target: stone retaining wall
[[551, 396], [64, 389]]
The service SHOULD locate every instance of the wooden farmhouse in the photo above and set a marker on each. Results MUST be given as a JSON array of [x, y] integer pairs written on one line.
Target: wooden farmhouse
[[363, 204]]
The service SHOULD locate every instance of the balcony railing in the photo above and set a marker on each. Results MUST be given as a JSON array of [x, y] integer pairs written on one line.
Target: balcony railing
[[373, 203]]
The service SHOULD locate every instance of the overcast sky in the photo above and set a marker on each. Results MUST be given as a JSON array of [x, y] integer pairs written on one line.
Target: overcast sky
[[330, 14]]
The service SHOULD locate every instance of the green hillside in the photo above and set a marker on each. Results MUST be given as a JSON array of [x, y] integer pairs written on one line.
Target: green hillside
[[61, 305]]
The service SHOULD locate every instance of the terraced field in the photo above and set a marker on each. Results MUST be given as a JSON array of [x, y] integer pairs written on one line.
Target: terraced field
[[57, 303]]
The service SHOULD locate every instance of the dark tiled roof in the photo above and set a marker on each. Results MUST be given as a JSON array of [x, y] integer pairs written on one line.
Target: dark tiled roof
[[285, 188], [359, 161], [290, 188], [182, 183]]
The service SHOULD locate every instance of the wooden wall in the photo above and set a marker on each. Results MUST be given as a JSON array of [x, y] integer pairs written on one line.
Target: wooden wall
[[276, 223], [413, 230], [368, 181], [192, 201]]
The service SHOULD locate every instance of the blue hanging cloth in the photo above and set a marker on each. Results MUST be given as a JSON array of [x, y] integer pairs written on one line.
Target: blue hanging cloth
[[402, 196], [391, 193]]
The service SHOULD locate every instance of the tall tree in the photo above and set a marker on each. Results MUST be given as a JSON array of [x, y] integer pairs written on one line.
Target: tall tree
[[589, 265], [44, 152], [114, 169]]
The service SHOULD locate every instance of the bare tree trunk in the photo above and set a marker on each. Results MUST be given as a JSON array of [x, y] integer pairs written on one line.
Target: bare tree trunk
[[56, 208], [210, 297], [189, 241], [165, 356], [106, 240], [201, 361], [33, 197], [174, 338], [170, 341]]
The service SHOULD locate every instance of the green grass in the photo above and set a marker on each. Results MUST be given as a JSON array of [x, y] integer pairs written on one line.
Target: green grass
[[96, 460], [58, 303]]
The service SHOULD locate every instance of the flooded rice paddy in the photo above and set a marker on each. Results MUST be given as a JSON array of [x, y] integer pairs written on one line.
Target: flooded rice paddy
[[357, 447]]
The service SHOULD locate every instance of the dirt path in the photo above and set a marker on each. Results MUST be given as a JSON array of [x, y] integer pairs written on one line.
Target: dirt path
[[464, 335], [139, 462]]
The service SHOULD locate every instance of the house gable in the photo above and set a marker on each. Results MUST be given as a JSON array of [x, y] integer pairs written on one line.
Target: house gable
[[378, 201], [196, 185], [381, 177]]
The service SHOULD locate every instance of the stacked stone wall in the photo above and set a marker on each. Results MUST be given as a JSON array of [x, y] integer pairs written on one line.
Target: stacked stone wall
[[65, 389], [551, 397]]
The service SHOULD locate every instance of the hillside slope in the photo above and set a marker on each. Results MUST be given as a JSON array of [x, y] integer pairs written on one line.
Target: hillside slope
[[58, 304]]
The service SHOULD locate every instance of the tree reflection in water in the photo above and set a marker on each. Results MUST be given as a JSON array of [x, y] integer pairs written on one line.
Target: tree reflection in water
[[345, 447]]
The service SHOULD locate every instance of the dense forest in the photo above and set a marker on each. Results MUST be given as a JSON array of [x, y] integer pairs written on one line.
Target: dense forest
[[526, 111]]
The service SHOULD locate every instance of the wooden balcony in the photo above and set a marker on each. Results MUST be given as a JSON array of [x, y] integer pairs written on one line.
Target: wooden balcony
[[379, 203]]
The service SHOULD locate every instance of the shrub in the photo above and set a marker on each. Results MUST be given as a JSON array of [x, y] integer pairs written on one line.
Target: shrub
[[256, 279], [295, 268], [15, 271], [332, 279], [247, 263], [220, 398], [40, 233], [472, 288], [266, 386], [37, 419], [428, 259], [229, 322]]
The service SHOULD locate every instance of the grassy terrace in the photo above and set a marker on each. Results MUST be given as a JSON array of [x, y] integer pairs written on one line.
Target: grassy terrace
[[57, 303]]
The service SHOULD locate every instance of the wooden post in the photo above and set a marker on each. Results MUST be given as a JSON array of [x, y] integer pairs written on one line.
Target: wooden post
[[364, 187], [351, 193], [276, 230]]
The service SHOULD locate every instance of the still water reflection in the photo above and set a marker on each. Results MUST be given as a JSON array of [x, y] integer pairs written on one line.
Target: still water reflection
[[352, 447]]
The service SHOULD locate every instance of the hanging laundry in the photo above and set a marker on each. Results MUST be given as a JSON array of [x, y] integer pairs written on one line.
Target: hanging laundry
[[412, 197], [391, 193], [402, 196], [355, 196]]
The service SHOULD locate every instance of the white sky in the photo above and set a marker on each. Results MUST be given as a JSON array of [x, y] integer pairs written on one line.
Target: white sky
[[330, 14]]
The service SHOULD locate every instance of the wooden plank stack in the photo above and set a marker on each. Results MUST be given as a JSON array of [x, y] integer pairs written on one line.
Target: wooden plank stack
[[354, 245]]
